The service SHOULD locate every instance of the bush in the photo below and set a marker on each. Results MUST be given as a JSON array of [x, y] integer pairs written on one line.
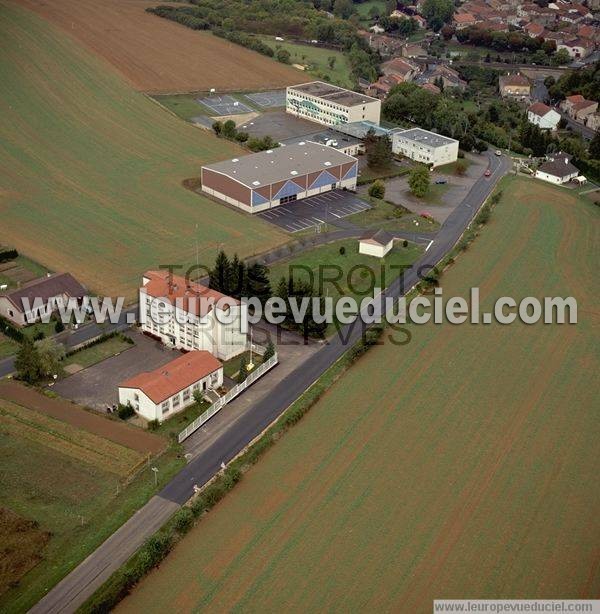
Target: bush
[[59, 326], [153, 425], [10, 330], [269, 352], [460, 168], [8, 254], [125, 411], [342, 250], [184, 519], [377, 189]]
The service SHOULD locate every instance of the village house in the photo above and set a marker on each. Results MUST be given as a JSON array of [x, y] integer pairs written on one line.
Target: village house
[[577, 48], [189, 316], [534, 30], [514, 86], [40, 297], [381, 88], [593, 121], [463, 20], [543, 116], [399, 68], [578, 108], [413, 50], [160, 394], [557, 169]]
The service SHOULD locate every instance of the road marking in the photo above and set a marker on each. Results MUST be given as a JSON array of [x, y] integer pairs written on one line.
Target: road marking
[[429, 245]]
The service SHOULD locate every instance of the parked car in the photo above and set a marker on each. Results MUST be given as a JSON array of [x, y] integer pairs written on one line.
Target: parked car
[[498, 152], [441, 181], [488, 172]]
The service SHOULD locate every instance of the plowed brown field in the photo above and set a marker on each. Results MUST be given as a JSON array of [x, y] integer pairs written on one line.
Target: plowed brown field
[[157, 55]]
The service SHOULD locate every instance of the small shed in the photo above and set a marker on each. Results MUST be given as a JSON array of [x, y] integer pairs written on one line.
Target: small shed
[[376, 243]]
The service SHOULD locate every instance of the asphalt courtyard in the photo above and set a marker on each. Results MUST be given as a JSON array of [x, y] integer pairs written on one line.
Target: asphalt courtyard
[[315, 210]]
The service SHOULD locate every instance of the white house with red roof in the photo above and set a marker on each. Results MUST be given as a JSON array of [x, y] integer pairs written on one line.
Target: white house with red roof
[[543, 116], [189, 316], [159, 394]]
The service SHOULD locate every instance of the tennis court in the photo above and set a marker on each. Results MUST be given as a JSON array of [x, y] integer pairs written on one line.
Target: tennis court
[[224, 105], [268, 100]]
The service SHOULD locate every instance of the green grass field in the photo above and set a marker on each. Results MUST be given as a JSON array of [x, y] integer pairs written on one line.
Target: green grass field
[[89, 356], [363, 9], [318, 60], [359, 273], [92, 171], [463, 464], [7, 346], [72, 483]]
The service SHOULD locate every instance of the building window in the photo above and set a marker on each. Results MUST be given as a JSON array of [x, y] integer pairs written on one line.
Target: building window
[[288, 199], [136, 396], [165, 407], [176, 401], [186, 395]]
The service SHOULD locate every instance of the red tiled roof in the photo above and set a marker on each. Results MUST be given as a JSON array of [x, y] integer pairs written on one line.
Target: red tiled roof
[[539, 108], [163, 383], [575, 98], [397, 65], [178, 291], [464, 18]]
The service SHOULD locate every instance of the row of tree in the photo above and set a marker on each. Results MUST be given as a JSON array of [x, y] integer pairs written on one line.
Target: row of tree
[[234, 277], [229, 131]]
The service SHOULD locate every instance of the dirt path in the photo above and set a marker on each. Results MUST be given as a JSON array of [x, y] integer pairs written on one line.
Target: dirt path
[[60, 409]]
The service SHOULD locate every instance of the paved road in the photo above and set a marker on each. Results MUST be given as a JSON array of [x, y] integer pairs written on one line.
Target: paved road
[[82, 334], [73, 590], [584, 131]]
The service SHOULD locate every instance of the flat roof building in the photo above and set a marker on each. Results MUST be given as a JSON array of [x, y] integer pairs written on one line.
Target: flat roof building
[[342, 142], [331, 105], [424, 146], [278, 176]]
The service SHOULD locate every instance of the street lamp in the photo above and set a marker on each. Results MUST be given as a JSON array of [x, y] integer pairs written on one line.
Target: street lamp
[[155, 471]]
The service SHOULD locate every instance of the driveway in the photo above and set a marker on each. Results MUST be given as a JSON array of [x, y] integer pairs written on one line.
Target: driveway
[[96, 386], [442, 200]]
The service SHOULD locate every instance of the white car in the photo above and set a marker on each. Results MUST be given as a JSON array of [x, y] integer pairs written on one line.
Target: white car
[[498, 152]]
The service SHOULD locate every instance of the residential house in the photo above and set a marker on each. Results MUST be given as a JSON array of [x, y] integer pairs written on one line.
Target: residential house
[[381, 88], [543, 116], [593, 121], [514, 86], [577, 48], [160, 394], [399, 68], [463, 20], [534, 30], [40, 297], [189, 316], [578, 108], [441, 72], [376, 243], [413, 50], [557, 169]]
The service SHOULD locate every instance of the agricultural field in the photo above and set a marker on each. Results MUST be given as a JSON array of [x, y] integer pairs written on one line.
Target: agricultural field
[[464, 463], [317, 59], [158, 56], [96, 169], [67, 480]]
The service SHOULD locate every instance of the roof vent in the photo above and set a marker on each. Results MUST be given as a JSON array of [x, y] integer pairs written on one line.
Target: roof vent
[[269, 151], [256, 183], [302, 143], [293, 172], [327, 163]]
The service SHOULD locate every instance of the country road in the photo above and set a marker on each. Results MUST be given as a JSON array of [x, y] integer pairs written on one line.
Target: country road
[[75, 588]]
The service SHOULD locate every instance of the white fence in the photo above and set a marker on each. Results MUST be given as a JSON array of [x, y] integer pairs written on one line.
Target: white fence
[[234, 392]]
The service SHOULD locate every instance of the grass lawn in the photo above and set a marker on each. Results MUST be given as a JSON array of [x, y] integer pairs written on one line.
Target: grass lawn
[[363, 9], [232, 367], [72, 483], [174, 425], [383, 215], [89, 356], [93, 171], [367, 174], [317, 58], [372, 271], [7, 346], [462, 463], [450, 169], [47, 328], [183, 105]]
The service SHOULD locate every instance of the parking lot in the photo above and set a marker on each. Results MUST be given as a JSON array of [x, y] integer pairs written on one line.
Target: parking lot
[[224, 105], [279, 125], [268, 100], [328, 207]]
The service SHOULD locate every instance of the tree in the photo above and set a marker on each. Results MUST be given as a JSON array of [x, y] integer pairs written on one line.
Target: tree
[[331, 61], [419, 180], [269, 351], [50, 356], [243, 372], [377, 189], [561, 57], [283, 55], [228, 130], [259, 282], [343, 8], [27, 362], [217, 127], [218, 277], [594, 148], [460, 168], [379, 150], [198, 397], [437, 12]]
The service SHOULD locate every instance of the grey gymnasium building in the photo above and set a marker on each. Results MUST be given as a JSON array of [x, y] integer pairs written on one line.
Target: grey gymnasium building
[[278, 176]]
